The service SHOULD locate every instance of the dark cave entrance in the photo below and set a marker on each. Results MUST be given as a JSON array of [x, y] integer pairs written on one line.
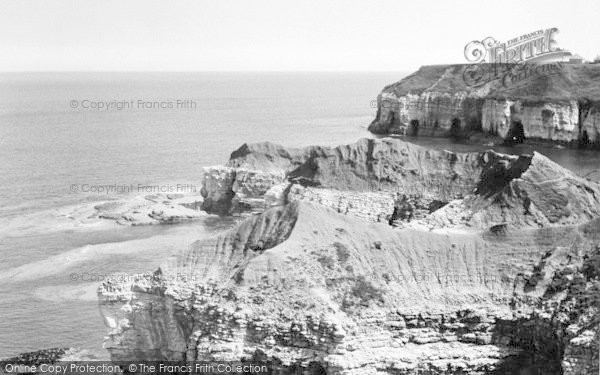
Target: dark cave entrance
[[414, 127], [516, 134], [584, 141], [315, 368], [455, 127]]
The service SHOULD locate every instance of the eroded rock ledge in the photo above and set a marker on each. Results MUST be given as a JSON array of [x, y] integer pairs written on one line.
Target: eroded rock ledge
[[399, 183], [504, 275], [561, 105]]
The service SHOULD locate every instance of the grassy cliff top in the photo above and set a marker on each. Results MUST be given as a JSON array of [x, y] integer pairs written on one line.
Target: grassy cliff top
[[557, 81]]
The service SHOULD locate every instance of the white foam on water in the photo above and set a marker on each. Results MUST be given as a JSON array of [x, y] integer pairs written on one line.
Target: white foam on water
[[64, 292], [80, 216], [155, 247]]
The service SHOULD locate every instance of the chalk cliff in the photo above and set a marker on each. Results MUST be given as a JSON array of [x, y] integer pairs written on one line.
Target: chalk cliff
[[555, 102], [496, 267], [376, 179]]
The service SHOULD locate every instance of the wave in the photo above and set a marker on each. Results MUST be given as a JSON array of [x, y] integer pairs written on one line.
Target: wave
[[63, 292], [75, 265]]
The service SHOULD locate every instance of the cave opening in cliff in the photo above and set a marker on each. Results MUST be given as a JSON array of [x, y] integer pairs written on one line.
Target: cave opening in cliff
[[516, 134], [414, 127], [455, 127], [315, 368], [584, 141]]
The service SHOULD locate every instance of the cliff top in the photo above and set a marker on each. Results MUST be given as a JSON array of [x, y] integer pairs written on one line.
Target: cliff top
[[557, 81], [488, 181]]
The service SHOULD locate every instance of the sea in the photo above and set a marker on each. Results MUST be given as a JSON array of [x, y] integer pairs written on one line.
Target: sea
[[61, 134]]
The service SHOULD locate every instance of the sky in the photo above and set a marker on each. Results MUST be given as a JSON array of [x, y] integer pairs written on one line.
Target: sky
[[274, 35]]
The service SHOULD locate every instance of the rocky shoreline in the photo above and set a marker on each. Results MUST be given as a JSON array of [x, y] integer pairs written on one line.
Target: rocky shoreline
[[152, 209], [48, 356], [378, 256]]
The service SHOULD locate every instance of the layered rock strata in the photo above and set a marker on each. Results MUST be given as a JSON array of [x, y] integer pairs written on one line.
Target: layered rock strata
[[228, 190], [332, 287], [383, 168], [387, 180], [561, 104]]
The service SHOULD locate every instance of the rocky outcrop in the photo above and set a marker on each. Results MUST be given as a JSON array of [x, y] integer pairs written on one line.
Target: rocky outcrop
[[560, 104], [302, 284], [45, 356], [228, 190], [388, 165], [581, 353], [214, 261], [152, 209], [269, 157], [391, 181], [524, 191], [384, 168], [252, 170], [38, 357], [508, 281]]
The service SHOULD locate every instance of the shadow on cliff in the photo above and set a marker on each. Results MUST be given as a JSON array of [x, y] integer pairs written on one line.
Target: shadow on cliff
[[529, 364]]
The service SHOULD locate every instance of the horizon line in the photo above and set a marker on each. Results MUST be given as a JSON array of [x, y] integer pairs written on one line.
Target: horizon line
[[203, 71]]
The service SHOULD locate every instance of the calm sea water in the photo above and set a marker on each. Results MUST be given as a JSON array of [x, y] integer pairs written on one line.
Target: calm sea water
[[48, 142], [47, 145]]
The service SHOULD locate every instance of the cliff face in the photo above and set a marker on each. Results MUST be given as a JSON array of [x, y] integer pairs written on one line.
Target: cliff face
[[377, 179], [560, 105], [226, 190], [555, 121], [524, 191], [323, 281], [379, 169], [251, 171]]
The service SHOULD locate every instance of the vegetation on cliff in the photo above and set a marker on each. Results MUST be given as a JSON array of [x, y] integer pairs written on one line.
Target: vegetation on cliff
[[563, 82]]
